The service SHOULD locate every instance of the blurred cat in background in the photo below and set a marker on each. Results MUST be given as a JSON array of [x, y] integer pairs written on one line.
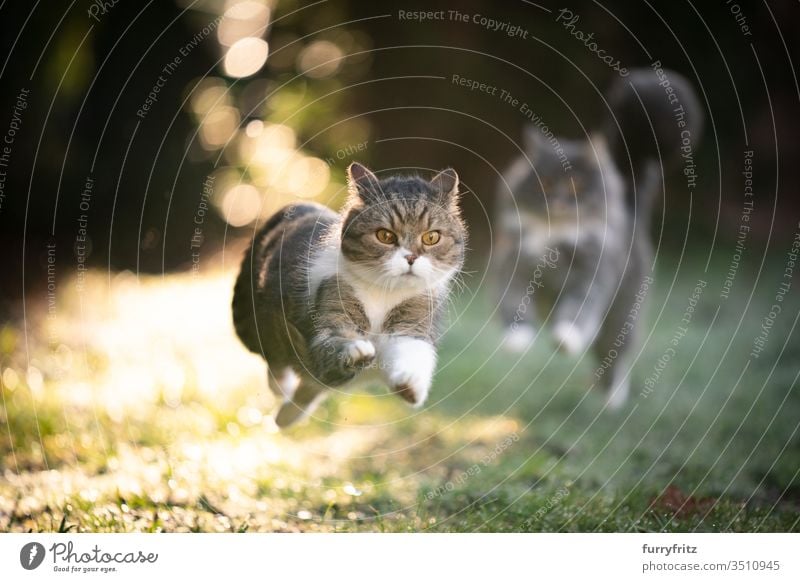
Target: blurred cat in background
[[330, 300], [573, 229]]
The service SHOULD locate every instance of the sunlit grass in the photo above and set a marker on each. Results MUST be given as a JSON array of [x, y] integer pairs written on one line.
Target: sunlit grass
[[136, 409]]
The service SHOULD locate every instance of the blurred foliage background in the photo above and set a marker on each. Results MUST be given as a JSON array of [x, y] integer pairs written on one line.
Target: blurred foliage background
[[273, 99]]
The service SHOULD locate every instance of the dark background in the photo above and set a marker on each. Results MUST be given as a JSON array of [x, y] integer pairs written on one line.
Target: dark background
[[86, 86]]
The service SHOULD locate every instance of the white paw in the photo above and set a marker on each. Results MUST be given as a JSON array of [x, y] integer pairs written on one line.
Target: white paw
[[411, 385], [360, 351], [569, 338], [519, 339], [408, 364]]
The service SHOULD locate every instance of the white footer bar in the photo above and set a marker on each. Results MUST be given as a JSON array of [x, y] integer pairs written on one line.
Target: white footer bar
[[390, 557]]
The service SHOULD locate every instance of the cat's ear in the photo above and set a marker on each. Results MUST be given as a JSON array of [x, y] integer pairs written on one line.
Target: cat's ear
[[533, 139], [446, 184], [361, 182]]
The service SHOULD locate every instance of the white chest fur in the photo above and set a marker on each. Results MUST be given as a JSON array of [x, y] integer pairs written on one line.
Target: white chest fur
[[377, 300], [405, 364]]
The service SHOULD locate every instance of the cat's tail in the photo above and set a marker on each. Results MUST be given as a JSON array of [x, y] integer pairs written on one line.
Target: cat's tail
[[653, 126]]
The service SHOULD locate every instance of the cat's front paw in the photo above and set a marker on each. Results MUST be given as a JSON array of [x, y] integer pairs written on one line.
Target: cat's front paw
[[409, 364], [358, 353], [519, 338], [569, 338], [412, 386]]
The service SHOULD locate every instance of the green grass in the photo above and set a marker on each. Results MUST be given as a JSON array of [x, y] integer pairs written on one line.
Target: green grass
[[159, 430]]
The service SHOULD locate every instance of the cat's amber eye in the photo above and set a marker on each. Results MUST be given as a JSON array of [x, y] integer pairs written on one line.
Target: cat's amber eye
[[431, 237], [387, 237]]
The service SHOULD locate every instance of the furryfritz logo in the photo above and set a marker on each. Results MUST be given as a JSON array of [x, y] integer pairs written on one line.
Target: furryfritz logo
[[31, 555]]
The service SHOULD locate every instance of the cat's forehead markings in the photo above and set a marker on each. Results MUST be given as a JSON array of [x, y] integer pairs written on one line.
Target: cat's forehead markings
[[423, 213], [395, 218]]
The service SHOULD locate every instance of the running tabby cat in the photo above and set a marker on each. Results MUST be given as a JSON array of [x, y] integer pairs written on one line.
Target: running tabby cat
[[573, 247], [333, 300]]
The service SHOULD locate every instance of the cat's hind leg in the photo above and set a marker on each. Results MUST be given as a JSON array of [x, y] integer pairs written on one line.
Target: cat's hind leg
[[283, 381], [617, 395], [616, 362], [305, 400], [618, 383], [619, 342], [337, 361], [580, 311], [303, 395], [516, 310]]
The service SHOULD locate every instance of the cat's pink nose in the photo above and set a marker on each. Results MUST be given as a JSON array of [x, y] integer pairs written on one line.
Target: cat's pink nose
[[411, 259]]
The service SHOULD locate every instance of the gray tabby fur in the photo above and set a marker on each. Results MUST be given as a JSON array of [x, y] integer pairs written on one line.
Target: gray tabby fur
[[573, 248]]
